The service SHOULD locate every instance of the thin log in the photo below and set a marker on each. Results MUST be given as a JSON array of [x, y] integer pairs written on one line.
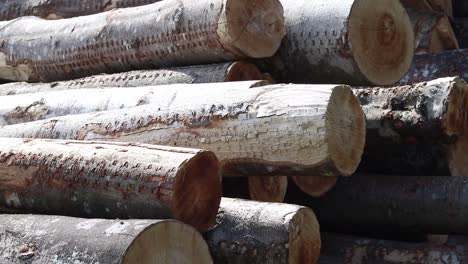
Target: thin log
[[417, 130], [164, 34], [254, 232], [55, 9], [15, 109], [356, 42], [59, 239], [272, 130], [315, 186], [258, 188], [109, 180], [212, 73]]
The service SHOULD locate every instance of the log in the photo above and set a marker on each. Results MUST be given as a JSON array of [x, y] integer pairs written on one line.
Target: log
[[315, 186], [337, 248], [164, 34], [272, 130], [420, 129], [254, 232], [213, 73], [109, 180], [55, 9], [16, 109], [440, 6], [356, 42], [428, 67], [390, 205], [258, 188], [59, 239]]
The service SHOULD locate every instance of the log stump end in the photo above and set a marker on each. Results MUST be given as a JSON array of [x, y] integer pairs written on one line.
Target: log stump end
[[268, 188], [315, 186], [304, 237], [243, 71]]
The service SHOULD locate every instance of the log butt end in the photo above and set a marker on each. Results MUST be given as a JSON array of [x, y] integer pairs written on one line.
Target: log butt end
[[382, 40], [268, 188], [304, 237], [252, 28], [345, 123], [243, 71], [197, 191], [169, 240], [315, 186]]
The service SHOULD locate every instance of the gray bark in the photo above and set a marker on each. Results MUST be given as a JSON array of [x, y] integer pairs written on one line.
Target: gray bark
[[109, 180]]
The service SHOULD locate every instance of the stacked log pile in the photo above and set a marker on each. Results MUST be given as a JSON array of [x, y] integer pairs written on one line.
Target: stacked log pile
[[125, 125]]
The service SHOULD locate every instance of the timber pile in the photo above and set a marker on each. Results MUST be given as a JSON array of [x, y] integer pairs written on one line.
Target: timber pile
[[154, 112]]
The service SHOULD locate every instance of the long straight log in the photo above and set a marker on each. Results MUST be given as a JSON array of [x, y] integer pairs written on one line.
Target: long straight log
[[418, 130], [164, 34], [58, 239], [54, 9], [343, 41], [109, 180], [15, 109], [253, 232], [263, 189], [212, 73], [272, 130]]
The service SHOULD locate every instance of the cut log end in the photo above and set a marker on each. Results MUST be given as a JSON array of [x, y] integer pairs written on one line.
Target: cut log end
[[382, 40], [315, 186], [168, 240], [252, 28], [345, 124], [268, 188], [243, 71], [197, 193], [304, 237]]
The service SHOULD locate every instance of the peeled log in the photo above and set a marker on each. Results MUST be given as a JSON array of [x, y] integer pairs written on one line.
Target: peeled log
[[164, 34], [15, 109], [343, 41], [58, 239], [417, 130], [109, 180], [272, 130], [315, 186], [212, 73], [258, 188], [253, 232]]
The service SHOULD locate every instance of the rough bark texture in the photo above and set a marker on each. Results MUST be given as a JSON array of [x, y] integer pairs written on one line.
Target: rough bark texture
[[421, 128], [53, 9], [270, 130], [109, 180], [352, 41], [15, 109], [258, 188], [37, 239], [381, 205], [428, 67], [356, 250], [253, 232], [212, 73], [164, 34]]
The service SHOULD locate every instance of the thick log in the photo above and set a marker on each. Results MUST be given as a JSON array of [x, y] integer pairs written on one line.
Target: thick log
[[315, 186], [254, 232], [428, 67], [258, 188], [212, 73], [109, 180], [353, 41], [15, 109], [344, 249], [381, 205], [417, 130], [272, 130], [58, 239], [164, 34], [54, 9]]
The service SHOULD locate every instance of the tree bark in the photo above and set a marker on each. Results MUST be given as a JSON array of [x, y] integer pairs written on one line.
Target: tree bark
[[417, 130], [271, 130], [164, 34], [213, 73], [264, 189], [253, 232], [315, 186], [428, 67], [109, 180], [54, 9], [334, 41], [15, 109], [58, 239], [344, 249]]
